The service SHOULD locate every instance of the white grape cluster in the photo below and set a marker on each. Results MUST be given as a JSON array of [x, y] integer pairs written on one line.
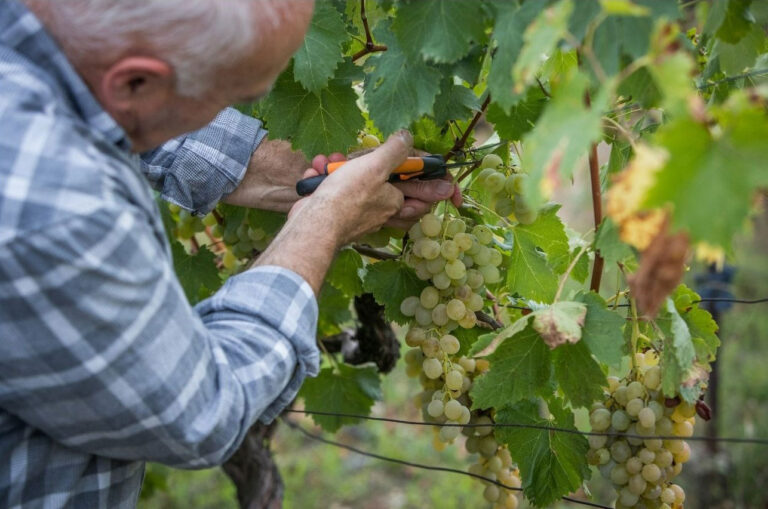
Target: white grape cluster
[[507, 190], [641, 469], [457, 265]]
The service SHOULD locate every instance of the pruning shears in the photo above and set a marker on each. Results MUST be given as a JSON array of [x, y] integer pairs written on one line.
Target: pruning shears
[[428, 167]]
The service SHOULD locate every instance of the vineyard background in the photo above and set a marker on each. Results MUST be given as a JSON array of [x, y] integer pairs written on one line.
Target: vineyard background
[[582, 94]]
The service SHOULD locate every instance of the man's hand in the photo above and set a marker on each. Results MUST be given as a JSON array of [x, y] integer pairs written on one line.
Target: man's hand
[[352, 201], [270, 183]]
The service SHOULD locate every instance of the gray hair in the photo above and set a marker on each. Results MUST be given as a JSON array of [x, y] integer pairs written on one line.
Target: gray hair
[[195, 37]]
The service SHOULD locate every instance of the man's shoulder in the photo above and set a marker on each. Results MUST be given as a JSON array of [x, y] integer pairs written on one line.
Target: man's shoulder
[[52, 166]]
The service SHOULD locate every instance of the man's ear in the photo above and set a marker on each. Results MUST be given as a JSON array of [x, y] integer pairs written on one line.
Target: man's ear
[[136, 84]]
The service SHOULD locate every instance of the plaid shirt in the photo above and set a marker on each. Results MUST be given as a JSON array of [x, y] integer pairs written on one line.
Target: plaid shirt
[[103, 363]]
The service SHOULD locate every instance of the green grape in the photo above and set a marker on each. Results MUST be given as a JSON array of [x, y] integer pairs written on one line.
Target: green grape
[[449, 250], [468, 364], [467, 260], [455, 227], [494, 464], [504, 206], [455, 269], [509, 185], [652, 378], [668, 495], [526, 216], [430, 347], [483, 257], [466, 415], [635, 390], [646, 416], [431, 225], [475, 303], [415, 233], [653, 444], [484, 174], [463, 292], [491, 161], [646, 456], [494, 182], [491, 492], [651, 473], [450, 345], [415, 336], [657, 409], [456, 309], [634, 465], [435, 408], [409, 306], [483, 235], [683, 429], [256, 234], [496, 257], [185, 231], [488, 444], [620, 451], [679, 493], [469, 321], [463, 241], [216, 231], [422, 272], [230, 237], [430, 249], [454, 380], [453, 410], [370, 141], [173, 208], [242, 249], [600, 419], [439, 315], [474, 279], [634, 406], [432, 368], [619, 475], [471, 445], [620, 420], [627, 498], [436, 266], [597, 441], [429, 297], [441, 281], [449, 433], [518, 184], [414, 357], [210, 220], [229, 260], [637, 484], [475, 248], [490, 274], [423, 316], [652, 492], [483, 430]]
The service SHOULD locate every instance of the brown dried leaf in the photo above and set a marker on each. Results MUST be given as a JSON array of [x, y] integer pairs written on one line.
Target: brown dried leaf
[[661, 269]]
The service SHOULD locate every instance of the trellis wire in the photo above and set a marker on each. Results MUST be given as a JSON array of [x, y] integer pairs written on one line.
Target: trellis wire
[[712, 299], [541, 427], [398, 461]]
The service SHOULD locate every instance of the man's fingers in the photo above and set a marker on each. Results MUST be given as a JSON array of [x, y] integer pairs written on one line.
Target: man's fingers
[[311, 172], [337, 157], [389, 155], [319, 162], [427, 190]]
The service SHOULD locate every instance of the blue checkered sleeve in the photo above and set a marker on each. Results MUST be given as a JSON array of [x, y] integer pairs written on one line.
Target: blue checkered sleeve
[[102, 353], [196, 170]]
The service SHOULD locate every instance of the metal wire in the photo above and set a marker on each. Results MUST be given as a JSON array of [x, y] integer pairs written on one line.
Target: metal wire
[[711, 299], [541, 427]]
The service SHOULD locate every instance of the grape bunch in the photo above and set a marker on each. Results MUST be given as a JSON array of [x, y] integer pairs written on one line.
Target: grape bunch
[[458, 265], [642, 469], [507, 190]]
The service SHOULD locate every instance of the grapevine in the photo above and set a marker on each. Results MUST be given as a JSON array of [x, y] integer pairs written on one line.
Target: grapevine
[[502, 319]]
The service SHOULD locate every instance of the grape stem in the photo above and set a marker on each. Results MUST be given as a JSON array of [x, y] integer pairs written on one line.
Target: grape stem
[[462, 142], [375, 253], [597, 207], [370, 46], [568, 271], [329, 355], [195, 247]]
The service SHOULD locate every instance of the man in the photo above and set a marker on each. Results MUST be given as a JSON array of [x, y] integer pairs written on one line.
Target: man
[[103, 364]]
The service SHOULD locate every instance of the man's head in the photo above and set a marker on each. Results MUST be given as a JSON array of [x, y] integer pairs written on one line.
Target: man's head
[[165, 67]]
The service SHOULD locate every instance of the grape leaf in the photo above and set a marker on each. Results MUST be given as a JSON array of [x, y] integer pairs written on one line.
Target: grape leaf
[[609, 245], [602, 330], [578, 375], [539, 251], [391, 282], [346, 390], [333, 310], [520, 367], [455, 102], [694, 172], [269, 221], [522, 116], [320, 54], [344, 273], [398, 90], [197, 273], [562, 136], [511, 22], [552, 464], [540, 38], [316, 123], [428, 137], [621, 36], [737, 21], [446, 28], [678, 352], [560, 323], [700, 323], [735, 58], [580, 271], [467, 338]]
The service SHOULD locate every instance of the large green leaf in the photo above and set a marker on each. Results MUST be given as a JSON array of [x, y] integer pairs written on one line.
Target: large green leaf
[[706, 169], [391, 282], [602, 330], [398, 90], [520, 368], [346, 390], [334, 310], [678, 352], [315, 122], [197, 273], [455, 102], [552, 464], [521, 117], [344, 273], [609, 245], [439, 30], [318, 57], [511, 22], [577, 374], [563, 135], [539, 253]]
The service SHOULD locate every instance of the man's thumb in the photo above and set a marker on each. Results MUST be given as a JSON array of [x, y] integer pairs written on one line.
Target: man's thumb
[[391, 154]]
